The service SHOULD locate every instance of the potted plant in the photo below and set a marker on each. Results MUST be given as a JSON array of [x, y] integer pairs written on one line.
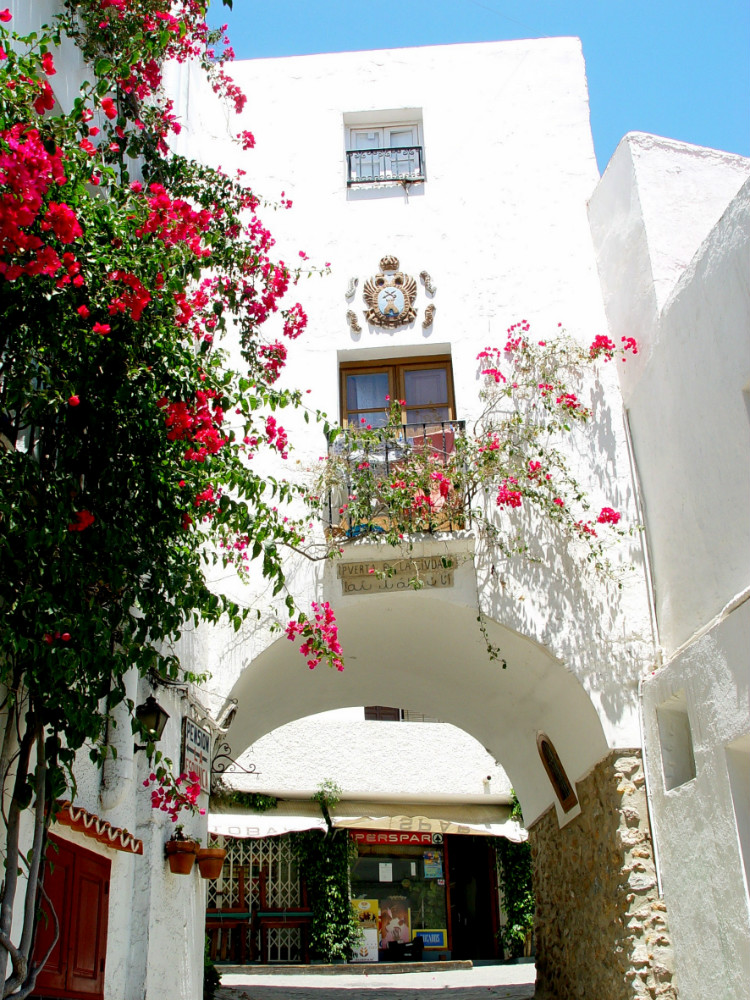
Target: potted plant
[[210, 861], [181, 851]]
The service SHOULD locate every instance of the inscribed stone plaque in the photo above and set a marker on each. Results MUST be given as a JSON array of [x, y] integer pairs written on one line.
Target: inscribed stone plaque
[[367, 578]]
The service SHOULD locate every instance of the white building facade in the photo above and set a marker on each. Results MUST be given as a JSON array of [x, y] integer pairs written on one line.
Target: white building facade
[[640, 690]]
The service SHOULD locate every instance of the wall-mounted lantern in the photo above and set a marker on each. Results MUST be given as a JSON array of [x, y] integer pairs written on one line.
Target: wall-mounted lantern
[[153, 718]]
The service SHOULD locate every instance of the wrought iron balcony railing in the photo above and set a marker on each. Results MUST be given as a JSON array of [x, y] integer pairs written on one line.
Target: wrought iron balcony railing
[[377, 467], [380, 166]]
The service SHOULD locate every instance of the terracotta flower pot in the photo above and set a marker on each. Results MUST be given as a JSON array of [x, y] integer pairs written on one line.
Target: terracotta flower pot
[[181, 855], [210, 861]]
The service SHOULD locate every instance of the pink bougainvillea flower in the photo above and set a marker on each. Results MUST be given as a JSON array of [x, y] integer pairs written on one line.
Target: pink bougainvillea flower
[[102, 328], [62, 220], [5, 15], [48, 64], [83, 311], [608, 516]]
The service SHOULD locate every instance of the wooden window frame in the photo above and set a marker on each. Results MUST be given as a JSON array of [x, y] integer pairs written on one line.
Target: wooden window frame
[[396, 369], [559, 780]]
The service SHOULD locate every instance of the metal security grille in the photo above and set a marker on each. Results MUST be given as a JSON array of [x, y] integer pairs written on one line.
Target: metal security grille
[[244, 862], [283, 945]]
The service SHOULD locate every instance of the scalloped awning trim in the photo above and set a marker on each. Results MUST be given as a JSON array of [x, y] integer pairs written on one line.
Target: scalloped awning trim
[[100, 830]]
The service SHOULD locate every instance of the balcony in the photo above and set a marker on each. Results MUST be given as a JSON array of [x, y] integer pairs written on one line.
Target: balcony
[[391, 480], [395, 164]]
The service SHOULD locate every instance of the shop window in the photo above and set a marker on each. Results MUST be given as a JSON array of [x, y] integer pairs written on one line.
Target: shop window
[[556, 773], [384, 147], [425, 387], [399, 892], [676, 741]]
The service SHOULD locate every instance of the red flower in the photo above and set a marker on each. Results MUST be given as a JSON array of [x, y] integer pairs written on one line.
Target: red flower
[[48, 64], [74, 401], [46, 100], [108, 107], [83, 311], [5, 15], [102, 328], [83, 519]]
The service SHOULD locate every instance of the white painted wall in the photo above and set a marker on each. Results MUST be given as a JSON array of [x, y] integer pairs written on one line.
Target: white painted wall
[[688, 407], [657, 202], [500, 225], [395, 761], [696, 829]]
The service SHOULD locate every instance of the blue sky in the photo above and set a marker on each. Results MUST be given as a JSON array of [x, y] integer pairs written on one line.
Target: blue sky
[[677, 69]]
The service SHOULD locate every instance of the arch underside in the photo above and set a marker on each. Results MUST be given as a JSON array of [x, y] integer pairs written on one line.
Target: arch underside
[[420, 652]]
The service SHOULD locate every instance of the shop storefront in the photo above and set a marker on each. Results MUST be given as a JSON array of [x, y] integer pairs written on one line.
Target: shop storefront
[[422, 887], [414, 903]]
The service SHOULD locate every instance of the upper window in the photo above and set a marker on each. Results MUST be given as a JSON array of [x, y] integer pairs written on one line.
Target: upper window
[[424, 386], [384, 147]]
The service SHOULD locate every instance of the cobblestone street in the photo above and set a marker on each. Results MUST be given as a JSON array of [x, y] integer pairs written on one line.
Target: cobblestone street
[[485, 982]]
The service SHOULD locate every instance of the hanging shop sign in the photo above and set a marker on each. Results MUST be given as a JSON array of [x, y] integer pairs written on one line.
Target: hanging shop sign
[[395, 837], [196, 752]]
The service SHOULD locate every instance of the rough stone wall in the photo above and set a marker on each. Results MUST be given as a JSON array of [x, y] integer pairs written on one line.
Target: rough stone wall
[[600, 926]]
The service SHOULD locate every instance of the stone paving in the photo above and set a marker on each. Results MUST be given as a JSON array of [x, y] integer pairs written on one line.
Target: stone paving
[[484, 982]]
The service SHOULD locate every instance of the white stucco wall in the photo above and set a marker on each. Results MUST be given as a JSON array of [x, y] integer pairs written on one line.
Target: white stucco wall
[[689, 417], [657, 202], [397, 761], [500, 225], [704, 878], [688, 408]]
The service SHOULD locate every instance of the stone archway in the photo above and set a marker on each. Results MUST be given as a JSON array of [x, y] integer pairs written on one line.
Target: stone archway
[[600, 926]]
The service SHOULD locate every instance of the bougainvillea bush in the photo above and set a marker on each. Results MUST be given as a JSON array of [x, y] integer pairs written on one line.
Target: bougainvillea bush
[[126, 435], [392, 481]]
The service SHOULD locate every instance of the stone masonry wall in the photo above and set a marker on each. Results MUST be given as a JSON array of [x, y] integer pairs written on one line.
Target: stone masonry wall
[[600, 926]]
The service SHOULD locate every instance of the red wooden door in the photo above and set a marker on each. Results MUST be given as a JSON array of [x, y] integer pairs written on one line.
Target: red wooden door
[[77, 883]]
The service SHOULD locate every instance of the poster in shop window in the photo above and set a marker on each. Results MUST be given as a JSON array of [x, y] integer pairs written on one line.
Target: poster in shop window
[[394, 923], [433, 864], [366, 913]]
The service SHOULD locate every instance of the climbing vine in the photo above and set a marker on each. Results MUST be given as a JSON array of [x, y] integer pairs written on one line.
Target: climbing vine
[[324, 860], [517, 892]]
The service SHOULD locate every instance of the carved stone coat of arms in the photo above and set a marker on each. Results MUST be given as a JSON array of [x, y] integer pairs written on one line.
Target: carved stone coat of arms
[[390, 295]]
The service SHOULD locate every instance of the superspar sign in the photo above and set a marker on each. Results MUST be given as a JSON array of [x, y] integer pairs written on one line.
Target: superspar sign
[[395, 837]]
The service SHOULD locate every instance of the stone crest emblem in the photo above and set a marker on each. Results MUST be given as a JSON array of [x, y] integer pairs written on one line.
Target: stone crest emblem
[[390, 295]]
